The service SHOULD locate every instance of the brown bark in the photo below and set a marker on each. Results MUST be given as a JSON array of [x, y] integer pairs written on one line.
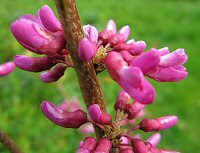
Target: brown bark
[[88, 81], [8, 142]]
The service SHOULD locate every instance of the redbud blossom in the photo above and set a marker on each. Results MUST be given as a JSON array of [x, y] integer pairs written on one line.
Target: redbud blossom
[[147, 61], [6, 68], [114, 62], [127, 56], [89, 145], [53, 75], [170, 68], [130, 78], [48, 19], [131, 46], [162, 123], [98, 116], [91, 33], [134, 83], [34, 64], [86, 50], [71, 106], [137, 47], [139, 146], [154, 139], [104, 146], [121, 36], [63, 118], [108, 33], [133, 109], [35, 37], [122, 100]]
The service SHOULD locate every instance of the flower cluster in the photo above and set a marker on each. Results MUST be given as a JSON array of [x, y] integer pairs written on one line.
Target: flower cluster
[[42, 35], [6, 68], [116, 135], [127, 62]]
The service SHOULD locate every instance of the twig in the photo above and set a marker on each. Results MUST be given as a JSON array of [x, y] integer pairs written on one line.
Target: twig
[[8, 142]]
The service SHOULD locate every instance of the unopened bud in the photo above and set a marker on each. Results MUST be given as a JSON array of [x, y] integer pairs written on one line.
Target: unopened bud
[[63, 118], [122, 100], [98, 116], [149, 125]]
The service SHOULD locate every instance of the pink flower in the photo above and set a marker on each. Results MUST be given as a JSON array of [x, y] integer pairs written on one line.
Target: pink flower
[[162, 123], [98, 116], [109, 32], [122, 100], [154, 139], [6, 68], [63, 118], [42, 34], [34, 64], [89, 145], [170, 68], [133, 109], [54, 74], [86, 50]]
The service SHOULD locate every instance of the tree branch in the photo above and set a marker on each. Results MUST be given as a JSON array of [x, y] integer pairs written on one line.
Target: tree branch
[[88, 81], [8, 142]]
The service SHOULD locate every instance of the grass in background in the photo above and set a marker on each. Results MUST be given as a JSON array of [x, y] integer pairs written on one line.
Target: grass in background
[[172, 23]]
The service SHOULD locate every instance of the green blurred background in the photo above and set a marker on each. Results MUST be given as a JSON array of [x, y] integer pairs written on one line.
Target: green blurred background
[[172, 23]]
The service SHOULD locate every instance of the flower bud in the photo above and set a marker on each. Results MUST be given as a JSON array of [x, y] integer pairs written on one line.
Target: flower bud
[[133, 109], [162, 123], [122, 100], [125, 31], [164, 51], [121, 36], [6, 68], [137, 47], [98, 116], [91, 33], [114, 62], [53, 75], [133, 82], [48, 19], [168, 74], [86, 50], [127, 56], [65, 119], [139, 146], [175, 58], [31, 35], [134, 48], [34, 64], [109, 32], [89, 145], [147, 61], [125, 144], [104, 146], [87, 128], [154, 139]]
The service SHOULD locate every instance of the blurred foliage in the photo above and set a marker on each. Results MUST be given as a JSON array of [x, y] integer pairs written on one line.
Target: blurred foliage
[[172, 23]]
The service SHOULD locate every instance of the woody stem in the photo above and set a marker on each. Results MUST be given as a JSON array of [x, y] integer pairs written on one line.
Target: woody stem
[[8, 142], [88, 81]]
